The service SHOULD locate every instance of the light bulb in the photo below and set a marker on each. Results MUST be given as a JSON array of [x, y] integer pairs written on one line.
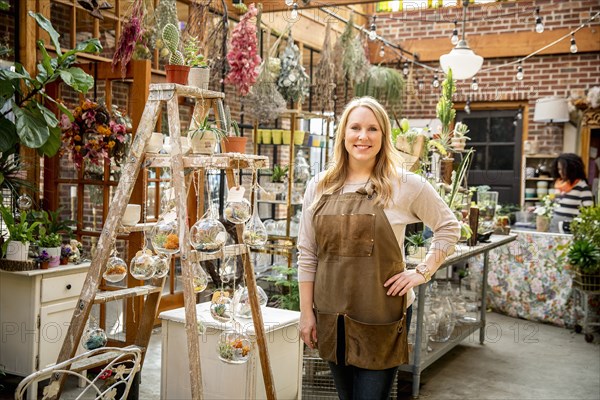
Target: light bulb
[[573, 47], [454, 38], [468, 108], [382, 52], [515, 122], [420, 84], [294, 13], [539, 25], [436, 82], [474, 84], [372, 33], [520, 114], [289, 2], [520, 73], [405, 69]]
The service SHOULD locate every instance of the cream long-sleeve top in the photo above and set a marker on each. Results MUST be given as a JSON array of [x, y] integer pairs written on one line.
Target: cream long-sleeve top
[[414, 200]]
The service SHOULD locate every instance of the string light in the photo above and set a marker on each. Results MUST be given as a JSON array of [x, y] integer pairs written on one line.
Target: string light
[[520, 72], [468, 105], [520, 114], [573, 47], [382, 51], [373, 31], [474, 84], [405, 69], [436, 82], [294, 14], [420, 84], [539, 25], [454, 38]]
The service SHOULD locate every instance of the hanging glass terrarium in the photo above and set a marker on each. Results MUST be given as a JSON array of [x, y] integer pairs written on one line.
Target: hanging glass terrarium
[[24, 202], [237, 212], [199, 278], [164, 235], [93, 337], [116, 269], [227, 269], [234, 347], [241, 301], [208, 234], [220, 306], [142, 265], [162, 265], [255, 233]]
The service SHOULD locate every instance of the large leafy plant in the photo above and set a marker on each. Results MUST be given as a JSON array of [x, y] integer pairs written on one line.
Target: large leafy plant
[[34, 125]]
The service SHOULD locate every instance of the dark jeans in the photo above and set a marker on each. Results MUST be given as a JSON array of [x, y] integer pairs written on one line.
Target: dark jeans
[[353, 383]]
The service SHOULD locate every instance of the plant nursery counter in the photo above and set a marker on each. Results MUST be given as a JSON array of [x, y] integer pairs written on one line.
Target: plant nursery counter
[[528, 278]]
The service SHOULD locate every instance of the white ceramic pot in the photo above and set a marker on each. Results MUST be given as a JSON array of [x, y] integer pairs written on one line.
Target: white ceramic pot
[[54, 253], [155, 143], [17, 251], [459, 143], [199, 77], [203, 143], [132, 215]]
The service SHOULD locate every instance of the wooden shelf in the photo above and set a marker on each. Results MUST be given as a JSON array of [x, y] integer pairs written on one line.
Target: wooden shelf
[[541, 155], [540, 179], [215, 161]]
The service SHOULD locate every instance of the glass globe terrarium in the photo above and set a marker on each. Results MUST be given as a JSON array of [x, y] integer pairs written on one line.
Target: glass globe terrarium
[[93, 337], [234, 347], [241, 301], [220, 306], [237, 212], [142, 266], [116, 269], [162, 265], [164, 235], [208, 235]]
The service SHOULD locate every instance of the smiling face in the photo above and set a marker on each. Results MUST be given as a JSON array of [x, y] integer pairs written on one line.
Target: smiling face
[[363, 136]]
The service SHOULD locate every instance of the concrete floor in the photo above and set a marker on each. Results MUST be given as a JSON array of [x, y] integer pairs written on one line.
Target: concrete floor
[[520, 360]]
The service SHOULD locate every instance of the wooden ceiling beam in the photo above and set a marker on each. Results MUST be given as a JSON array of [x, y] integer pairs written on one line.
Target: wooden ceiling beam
[[505, 45], [279, 5]]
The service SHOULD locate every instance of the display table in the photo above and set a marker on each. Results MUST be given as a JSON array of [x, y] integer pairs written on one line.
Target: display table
[[227, 381], [35, 311], [421, 361], [528, 279]]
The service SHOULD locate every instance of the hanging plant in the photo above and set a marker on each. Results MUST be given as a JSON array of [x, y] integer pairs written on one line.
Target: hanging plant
[[349, 53], [384, 84], [264, 103], [324, 80], [132, 32], [243, 56], [293, 82]]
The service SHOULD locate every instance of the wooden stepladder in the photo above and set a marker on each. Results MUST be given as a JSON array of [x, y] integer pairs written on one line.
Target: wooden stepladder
[[90, 295]]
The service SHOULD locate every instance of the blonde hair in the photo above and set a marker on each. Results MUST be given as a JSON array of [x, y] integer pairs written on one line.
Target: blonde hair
[[386, 162]]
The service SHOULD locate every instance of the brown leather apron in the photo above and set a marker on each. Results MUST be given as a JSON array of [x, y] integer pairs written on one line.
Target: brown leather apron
[[357, 252]]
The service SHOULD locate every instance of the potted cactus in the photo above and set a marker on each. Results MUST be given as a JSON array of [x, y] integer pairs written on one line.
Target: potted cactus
[[233, 142], [177, 71]]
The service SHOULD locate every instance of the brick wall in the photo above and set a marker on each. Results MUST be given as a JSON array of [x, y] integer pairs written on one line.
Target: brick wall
[[545, 75]]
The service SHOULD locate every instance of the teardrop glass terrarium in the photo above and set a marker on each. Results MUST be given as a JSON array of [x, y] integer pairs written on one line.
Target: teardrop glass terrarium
[[142, 265], [116, 269], [220, 306], [162, 265], [199, 277], [241, 301], [237, 212], [255, 234], [93, 337], [164, 235], [234, 347]]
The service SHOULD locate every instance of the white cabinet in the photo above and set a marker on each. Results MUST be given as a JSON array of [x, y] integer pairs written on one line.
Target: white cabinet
[[35, 312], [226, 381]]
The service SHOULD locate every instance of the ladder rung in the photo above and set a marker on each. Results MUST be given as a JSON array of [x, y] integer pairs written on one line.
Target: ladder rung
[[136, 228], [226, 251], [111, 295], [101, 359], [216, 161]]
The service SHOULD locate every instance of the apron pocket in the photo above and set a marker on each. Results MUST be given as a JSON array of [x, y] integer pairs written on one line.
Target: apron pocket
[[346, 235], [375, 346], [327, 336]]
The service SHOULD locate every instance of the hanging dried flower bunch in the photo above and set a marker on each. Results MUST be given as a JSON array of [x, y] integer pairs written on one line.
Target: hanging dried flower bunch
[[243, 56], [145, 46], [293, 82], [324, 80], [350, 55], [264, 103], [131, 33]]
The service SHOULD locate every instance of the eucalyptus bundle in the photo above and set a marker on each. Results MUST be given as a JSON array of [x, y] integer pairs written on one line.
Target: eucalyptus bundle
[[293, 82], [384, 84], [350, 55], [324, 79]]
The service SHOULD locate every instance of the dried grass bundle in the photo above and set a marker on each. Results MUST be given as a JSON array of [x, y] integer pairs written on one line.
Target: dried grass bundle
[[324, 78], [384, 84], [349, 53], [293, 82]]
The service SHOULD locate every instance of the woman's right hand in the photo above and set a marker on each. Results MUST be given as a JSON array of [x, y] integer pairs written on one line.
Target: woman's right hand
[[308, 328]]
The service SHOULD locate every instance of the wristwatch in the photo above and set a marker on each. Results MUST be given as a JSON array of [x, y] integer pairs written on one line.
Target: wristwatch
[[424, 271]]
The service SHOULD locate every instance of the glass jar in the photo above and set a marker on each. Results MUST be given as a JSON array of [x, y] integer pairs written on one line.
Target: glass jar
[[234, 347], [93, 337]]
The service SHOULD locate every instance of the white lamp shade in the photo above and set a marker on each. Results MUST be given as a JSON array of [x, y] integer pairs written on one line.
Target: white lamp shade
[[463, 61], [551, 109]]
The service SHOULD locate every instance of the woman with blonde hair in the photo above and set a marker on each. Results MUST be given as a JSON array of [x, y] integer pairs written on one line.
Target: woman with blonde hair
[[355, 293]]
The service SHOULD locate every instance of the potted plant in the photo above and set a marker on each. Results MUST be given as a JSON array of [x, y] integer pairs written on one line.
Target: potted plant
[[204, 136], [20, 235], [177, 71], [233, 142], [199, 74], [584, 251], [441, 142], [544, 214], [43, 259], [459, 139], [416, 246], [50, 244]]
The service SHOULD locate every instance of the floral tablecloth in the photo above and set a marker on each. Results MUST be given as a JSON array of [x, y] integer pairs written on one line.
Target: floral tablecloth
[[527, 278]]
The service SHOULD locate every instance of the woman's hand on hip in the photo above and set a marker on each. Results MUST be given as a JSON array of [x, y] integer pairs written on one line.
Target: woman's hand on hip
[[399, 284], [308, 328]]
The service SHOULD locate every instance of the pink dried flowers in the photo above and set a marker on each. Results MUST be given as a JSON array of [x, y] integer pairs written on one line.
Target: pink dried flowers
[[131, 34], [243, 56]]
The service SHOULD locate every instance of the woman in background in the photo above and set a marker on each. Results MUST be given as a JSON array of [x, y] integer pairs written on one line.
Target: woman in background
[[572, 190]]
